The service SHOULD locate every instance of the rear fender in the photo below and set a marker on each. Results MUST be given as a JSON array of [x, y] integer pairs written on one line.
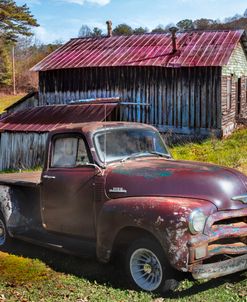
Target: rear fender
[[9, 207]]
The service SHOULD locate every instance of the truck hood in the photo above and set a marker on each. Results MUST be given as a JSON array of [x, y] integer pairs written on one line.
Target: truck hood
[[161, 177]]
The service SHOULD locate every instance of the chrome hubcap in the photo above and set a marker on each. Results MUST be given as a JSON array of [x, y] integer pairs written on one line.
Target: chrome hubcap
[[2, 233], [146, 269]]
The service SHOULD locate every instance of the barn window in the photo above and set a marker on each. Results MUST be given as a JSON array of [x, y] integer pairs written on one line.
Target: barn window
[[229, 94]]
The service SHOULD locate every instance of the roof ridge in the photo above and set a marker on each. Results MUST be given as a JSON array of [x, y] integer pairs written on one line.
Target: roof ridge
[[152, 33]]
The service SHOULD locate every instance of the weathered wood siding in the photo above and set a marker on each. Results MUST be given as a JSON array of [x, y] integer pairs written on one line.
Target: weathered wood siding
[[22, 150], [228, 103], [243, 97], [185, 100], [236, 70], [28, 103]]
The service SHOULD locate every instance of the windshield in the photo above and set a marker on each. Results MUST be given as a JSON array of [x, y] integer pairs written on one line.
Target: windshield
[[121, 144]]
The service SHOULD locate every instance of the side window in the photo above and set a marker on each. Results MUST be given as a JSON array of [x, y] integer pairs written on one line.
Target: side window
[[69, 152]]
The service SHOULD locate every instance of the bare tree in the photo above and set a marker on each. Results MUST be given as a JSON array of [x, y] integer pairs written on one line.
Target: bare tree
[[84, 31]]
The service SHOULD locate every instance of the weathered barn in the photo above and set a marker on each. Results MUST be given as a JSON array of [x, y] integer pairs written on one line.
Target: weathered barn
[[193, 83], [24, 133], [28, 101]]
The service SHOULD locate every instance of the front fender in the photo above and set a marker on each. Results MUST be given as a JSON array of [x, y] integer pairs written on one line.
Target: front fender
[[166, 218]]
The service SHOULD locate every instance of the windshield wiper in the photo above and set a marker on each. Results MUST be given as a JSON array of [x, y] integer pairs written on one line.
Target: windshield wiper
[[160, 154], [134, 155]]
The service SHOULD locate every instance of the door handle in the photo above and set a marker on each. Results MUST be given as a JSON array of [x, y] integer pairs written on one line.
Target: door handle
[[49, 177]]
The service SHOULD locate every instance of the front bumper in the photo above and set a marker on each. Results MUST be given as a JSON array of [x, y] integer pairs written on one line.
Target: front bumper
[[224, 236], [219, 269]]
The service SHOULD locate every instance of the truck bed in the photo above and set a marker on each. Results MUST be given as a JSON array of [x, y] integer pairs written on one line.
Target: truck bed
[[31, 179]]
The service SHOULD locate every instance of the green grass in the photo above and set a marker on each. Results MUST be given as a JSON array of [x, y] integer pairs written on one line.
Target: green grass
[[231, 151], [7, 100], [24, 279], [35, 169]]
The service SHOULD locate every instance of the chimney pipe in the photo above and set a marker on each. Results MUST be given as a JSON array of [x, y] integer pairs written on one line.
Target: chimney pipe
[[173, 31], [109, 28]]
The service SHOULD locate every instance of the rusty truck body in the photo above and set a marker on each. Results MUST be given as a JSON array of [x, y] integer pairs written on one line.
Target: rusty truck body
[[110, 186]]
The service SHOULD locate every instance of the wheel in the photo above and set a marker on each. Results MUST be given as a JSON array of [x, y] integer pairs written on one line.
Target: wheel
[[147, 268], [4, 236]]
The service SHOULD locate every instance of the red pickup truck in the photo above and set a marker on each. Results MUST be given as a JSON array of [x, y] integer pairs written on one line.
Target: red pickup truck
[[108, 187]]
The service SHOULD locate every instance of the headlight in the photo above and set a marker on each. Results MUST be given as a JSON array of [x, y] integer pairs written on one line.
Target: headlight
[[197, 221]]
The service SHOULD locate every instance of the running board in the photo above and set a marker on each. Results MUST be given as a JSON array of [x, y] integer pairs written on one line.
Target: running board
[[73, 246]]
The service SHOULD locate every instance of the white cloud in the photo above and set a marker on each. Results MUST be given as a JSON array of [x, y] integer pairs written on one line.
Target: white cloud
[[45, 36], [82, 2]]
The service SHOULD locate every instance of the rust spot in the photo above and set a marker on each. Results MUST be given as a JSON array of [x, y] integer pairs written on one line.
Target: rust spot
[[159, 221]]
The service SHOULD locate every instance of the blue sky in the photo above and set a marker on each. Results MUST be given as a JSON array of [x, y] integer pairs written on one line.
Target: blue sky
[[62, 19]]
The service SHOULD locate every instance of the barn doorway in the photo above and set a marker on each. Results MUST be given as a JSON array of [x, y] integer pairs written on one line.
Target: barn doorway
[[239, 92]]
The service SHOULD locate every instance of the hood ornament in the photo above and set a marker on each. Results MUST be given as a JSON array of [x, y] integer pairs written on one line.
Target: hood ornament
[[242, 198]]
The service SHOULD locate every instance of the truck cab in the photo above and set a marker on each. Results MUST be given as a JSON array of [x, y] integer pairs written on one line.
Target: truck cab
[[110, 186]]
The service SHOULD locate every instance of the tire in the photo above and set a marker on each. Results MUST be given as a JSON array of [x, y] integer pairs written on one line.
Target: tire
[[147, 267], [4, 236]]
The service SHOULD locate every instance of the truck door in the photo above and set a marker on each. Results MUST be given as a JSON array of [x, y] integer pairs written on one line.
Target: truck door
[[67, 204]]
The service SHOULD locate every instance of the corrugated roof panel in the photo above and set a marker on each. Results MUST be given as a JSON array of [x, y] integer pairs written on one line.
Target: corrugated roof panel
[[225, 51], [82, 50], [146, 54], [208, 46], [198, 48], [47, 118], [126, 50], [158, 55], [189, 42], [196, 52]]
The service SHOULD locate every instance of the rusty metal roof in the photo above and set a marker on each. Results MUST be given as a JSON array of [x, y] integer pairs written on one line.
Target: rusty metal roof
[[48, 118], [195, 48]]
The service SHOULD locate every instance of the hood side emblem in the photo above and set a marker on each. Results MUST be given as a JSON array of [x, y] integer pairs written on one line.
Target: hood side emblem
[[241, 198], [117, 190]]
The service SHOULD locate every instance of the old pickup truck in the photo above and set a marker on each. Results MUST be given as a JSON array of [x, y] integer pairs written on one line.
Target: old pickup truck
[[109, 187]]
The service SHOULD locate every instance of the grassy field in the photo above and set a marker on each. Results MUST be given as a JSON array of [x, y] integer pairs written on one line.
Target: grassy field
[[57, 277], [8, 100], [230, 152]]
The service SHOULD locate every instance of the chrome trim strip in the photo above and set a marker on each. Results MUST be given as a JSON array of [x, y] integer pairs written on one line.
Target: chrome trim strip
[[242, 198], [218, 269]]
